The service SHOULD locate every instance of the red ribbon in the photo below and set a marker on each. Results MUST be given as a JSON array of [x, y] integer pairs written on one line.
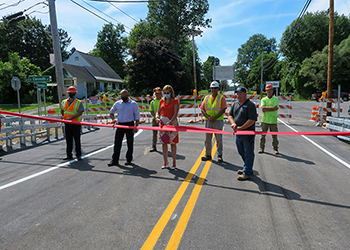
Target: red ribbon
[[172, 128]]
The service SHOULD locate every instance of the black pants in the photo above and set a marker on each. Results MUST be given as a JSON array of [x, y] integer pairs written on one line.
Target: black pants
[[119, 135], [73, 131]]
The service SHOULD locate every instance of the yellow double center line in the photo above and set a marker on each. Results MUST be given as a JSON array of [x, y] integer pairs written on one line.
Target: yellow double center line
[[181, 225]]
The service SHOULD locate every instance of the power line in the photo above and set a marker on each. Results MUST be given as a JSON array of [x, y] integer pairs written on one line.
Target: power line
[[11, 5], [290, 35], [130, 1], [105, 14], [123, 12], [94, 13]]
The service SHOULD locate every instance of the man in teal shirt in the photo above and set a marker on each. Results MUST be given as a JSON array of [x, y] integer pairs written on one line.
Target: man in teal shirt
[[153, 109], [269, 106]]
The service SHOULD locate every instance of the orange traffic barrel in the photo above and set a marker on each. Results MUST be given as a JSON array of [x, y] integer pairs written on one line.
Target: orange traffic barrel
[[51, 112], [315, 113]]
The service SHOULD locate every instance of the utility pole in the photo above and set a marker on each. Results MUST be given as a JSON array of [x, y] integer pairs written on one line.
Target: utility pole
[[57, 51], [330, 53], [193, 34], [262, 72]]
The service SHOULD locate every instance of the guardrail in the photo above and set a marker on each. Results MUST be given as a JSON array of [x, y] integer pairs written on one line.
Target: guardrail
[[339, 124], [18, 127]]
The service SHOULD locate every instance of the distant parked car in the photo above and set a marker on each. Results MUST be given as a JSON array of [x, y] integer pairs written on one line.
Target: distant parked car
[[343, 95]]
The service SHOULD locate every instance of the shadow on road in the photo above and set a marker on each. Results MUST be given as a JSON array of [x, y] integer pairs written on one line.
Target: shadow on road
[[291, 158]]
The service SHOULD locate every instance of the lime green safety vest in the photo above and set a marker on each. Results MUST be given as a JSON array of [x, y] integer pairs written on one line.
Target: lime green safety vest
[[72, 109], [212, 109]]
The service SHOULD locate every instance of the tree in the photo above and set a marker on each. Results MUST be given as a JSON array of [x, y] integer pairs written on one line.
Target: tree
[[248, 52], [311, 35], [31, 39], [153, 64], [313, 72], [172, 19], [141, 30], [111, 46], [22, 68], [269, 74], [208, 69]]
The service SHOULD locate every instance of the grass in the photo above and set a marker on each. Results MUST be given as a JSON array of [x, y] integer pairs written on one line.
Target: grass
[[14, 107]]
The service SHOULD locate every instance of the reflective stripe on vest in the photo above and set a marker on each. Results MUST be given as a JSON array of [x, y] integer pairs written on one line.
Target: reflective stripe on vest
[[71, 110], [212, 109]]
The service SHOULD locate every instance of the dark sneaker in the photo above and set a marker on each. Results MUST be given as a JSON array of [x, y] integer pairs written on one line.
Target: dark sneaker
[[261, 151], [112, 163], [243, 177], [153, 150], [68, 158], [206, 158], [220, 160], [79, 158], [128, 163]]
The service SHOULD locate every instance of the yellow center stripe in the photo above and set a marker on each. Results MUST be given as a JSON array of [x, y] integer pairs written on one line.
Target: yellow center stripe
[[182, 224], [159, 227]]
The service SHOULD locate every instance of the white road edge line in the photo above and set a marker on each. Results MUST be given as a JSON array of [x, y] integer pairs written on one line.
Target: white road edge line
[[59, 166], [318, 146]]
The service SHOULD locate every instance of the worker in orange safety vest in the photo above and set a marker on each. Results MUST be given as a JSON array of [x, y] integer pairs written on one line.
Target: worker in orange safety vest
[[72, 109], [213, 108]]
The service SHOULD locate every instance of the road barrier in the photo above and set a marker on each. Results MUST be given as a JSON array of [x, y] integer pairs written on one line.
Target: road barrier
[[339, 124], [19, 127], [324, 110]]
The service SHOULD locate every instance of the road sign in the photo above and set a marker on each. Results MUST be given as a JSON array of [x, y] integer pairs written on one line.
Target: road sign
[[224, 73], [15, 83], [39, 79], [41, 85], [274, 84]]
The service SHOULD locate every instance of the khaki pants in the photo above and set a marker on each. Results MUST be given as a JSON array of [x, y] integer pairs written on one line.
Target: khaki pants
[[218, 124], [273, 128], [155, 132]]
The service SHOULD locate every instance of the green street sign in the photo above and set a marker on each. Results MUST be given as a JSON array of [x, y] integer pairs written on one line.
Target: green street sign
[[39, 79], [41, 85]]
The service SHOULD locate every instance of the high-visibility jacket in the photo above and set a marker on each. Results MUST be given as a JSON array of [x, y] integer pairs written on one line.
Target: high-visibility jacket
[[213, 108], [71, 110]]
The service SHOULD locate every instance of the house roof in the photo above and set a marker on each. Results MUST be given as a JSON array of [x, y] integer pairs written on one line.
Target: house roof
[[79, 71], [100, 69]]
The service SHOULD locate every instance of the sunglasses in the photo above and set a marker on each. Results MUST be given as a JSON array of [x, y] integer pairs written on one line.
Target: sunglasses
[[165, 93], [214, 88]]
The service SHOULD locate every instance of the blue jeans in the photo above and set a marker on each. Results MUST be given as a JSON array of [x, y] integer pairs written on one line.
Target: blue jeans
[[245, 147]]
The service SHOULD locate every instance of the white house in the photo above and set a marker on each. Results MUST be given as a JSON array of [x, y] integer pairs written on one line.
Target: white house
[[90, 74]]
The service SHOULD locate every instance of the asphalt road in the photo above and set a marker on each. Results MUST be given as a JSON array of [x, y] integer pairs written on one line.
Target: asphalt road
[[296, 200]]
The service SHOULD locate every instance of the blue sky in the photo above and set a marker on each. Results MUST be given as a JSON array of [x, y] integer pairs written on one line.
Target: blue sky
[[233, 22]]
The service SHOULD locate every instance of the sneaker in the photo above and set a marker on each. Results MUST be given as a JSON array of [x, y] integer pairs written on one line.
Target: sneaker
[[128, 163], [243, 177], [153, 150], [206, 158], [79, 158], [276, 152], [172, 167], [112, 163], [220, 160], [68, 158], [261, 151]]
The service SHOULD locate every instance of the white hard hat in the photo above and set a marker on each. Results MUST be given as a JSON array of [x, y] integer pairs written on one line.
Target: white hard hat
[[214, 84]]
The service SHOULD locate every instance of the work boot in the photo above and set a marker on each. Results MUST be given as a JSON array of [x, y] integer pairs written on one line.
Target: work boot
[[240, 171], [206, 158], [261, 151], [220, 160], [243, 177]]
